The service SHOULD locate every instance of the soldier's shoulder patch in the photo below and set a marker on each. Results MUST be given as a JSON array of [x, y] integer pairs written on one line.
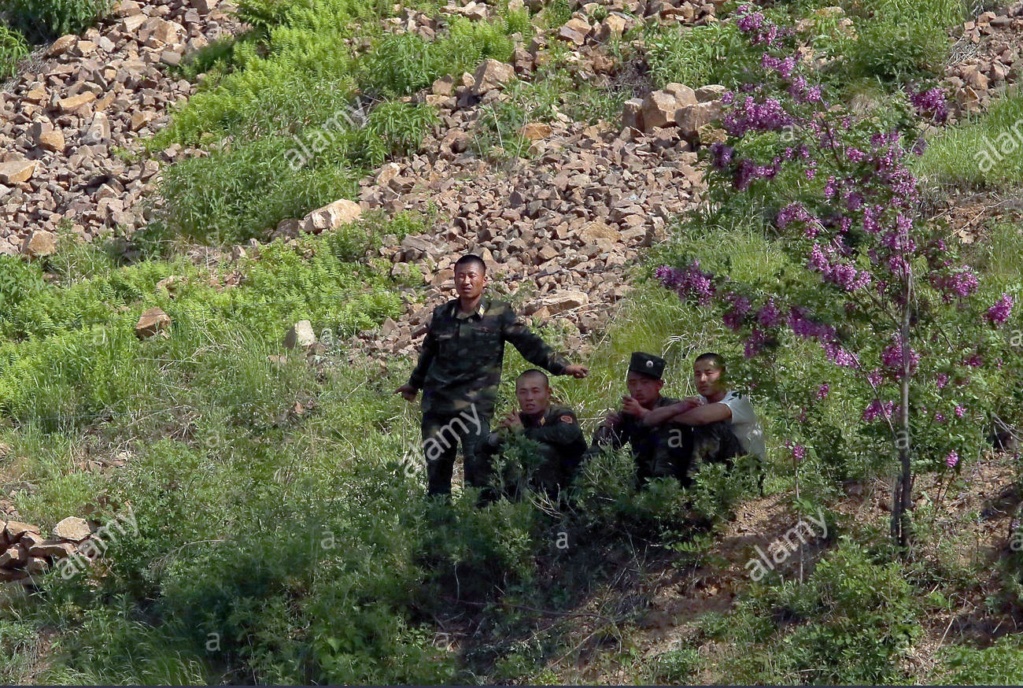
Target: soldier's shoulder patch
[[566, 419]]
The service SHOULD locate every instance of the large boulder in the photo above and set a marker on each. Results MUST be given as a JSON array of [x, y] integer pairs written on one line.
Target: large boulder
[[332, 216], [152, 322], [73, 529], [491, 75]]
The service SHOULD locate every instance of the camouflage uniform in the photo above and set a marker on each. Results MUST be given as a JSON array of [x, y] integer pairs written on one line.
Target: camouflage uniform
[[459, 371], [658, 450], [561, 448]]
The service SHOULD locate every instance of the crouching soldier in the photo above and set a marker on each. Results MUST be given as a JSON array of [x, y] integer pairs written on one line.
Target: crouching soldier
[[555, 430], [654, 446], [715, 426]]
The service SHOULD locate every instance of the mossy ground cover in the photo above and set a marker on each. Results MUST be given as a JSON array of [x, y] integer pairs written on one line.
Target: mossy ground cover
[[282, 535]]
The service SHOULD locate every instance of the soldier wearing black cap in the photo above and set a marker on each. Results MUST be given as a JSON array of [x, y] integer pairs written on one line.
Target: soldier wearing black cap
[[656, 454]]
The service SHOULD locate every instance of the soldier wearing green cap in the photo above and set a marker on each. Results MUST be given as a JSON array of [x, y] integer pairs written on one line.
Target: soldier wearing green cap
[[655, 452]]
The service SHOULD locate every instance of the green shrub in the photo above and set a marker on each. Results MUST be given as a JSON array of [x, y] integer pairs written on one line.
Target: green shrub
[[244, 192], [12, 49], [858, 618], [43, 20], [399, 66], [697, 56], [401, 126], [983, 153], [998, 665], [676, 667], [900, 40]]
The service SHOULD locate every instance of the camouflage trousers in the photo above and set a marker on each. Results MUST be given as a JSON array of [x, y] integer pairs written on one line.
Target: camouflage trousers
[[703, 444], [442, 433]]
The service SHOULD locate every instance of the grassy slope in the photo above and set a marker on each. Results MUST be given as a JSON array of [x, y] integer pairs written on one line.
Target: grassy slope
[[288, 544]]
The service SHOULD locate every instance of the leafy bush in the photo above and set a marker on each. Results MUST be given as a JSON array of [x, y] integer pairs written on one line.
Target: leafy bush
[[697, 56], [998, 665], [858, 619], [401, 126], [979, 154], [903, 39], [834, 189], [400, 65], [244, 192], [43, 20], [12, 49], [676, 667]]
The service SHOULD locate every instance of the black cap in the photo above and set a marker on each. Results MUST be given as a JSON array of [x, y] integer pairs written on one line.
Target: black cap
[[647, 364]]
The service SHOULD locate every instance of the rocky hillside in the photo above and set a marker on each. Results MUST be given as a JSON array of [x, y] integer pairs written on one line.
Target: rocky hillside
[[230, 390]]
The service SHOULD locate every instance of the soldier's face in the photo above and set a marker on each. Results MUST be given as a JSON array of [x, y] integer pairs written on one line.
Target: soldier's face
[[643, 388], [469, 280], [534, 394], [707, 377]]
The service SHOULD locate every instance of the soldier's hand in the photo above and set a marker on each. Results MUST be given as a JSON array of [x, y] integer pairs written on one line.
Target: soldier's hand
[[577, 371], [511, 421], [612, 419], [633, 407], [408, 392]]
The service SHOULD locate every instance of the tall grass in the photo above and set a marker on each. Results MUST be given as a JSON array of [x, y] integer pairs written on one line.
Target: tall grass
[[982, 153]]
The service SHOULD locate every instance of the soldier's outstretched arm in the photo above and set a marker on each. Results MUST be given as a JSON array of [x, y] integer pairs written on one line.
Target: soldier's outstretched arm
[[664, 414], [532, 347]]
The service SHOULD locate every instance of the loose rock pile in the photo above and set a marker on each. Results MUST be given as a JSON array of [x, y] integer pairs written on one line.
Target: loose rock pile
[[566, 225], [26, 553], [62, 121], [987, 58]]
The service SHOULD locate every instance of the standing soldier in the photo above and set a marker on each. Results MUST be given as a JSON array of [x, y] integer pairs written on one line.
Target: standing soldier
[[459, 371]]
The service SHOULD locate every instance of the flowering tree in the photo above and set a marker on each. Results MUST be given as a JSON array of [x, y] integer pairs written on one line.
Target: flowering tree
[[883, 293]]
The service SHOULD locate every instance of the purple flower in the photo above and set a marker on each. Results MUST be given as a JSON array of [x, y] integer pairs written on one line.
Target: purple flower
[[793, 212], [755, 343], [806, 328], [960, 411], [721, 155], [689, 282], [952, 459], [758, 117], [930, 103], [784, 66], [876, 409], [874, 377], [893, 355], [749, 21], [960, 283], [941, 380], [839, 356], [769, 316], [1001, 311], [822, 391], [798, 452], [939, 417], [974, 361]]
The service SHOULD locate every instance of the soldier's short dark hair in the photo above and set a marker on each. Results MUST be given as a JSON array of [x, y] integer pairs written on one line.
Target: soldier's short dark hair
[[471, 259], [716, 359], [534, 371]]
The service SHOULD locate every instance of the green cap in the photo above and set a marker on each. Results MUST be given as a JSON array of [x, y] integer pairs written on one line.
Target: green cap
[[647, 364]]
